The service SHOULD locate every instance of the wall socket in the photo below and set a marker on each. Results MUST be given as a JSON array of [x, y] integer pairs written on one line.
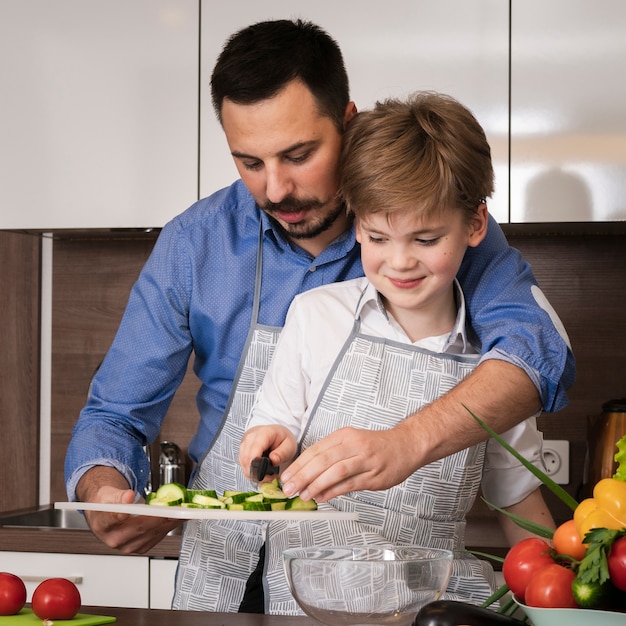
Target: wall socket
[[556, 460]]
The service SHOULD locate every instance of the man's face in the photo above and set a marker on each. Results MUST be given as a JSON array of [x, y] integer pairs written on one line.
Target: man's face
[[287, 154]]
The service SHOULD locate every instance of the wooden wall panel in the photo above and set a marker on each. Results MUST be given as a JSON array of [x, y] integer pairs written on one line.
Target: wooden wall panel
[[19, 369], [582, 274]]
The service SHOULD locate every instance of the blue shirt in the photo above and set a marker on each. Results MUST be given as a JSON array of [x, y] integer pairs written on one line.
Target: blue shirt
[[195, 294]]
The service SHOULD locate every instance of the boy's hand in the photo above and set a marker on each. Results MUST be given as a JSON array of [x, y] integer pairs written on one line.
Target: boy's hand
[[258, 439]]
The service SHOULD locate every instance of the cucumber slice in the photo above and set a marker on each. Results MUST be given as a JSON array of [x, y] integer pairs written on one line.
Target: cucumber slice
[[255, 497], [208, 501], [278, 505], [164, 502], [211, 493], [298, 504], [255, 505], [238, 498], [271, 491], [171, 491], [234, 507]]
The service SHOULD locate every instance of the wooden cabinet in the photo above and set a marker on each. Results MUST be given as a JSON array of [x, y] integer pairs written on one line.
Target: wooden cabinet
[[99, 120], [460, 48], [568, 111]]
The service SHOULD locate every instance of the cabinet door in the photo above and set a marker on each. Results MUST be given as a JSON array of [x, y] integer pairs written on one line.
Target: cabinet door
[[102, 580], [162, 579], [459, 48], [98, 120], [568, 111]]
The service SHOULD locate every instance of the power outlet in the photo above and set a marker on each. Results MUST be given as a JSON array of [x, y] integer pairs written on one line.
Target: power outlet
[[555, 455]]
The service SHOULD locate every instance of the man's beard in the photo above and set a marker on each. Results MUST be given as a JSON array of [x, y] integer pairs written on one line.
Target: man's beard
[[310, 228]]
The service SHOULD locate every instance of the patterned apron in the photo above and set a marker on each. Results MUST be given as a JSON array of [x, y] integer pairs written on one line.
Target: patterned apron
[[217, 557], [374, 384]]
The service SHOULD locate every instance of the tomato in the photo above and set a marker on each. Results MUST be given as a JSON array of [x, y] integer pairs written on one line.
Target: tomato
[[567, 541], [12, 594], [522, 561], [56, 598], [617, 563], [551, 588]]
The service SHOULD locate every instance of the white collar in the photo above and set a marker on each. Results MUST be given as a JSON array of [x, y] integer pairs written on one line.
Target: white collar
[[371, 298]]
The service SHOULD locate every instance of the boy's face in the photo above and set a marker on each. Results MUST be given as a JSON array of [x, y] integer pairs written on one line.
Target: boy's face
[[287, 154], [412, 262]]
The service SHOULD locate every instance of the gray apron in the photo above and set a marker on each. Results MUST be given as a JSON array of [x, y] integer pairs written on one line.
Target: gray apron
[[374, 384], [217, 557]]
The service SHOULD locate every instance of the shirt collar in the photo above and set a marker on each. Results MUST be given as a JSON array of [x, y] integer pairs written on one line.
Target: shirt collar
[[371, 298]]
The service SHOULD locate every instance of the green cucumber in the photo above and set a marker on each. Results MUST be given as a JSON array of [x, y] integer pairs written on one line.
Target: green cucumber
[[208, 501], [256, 506], [172, 491], [298, 504]]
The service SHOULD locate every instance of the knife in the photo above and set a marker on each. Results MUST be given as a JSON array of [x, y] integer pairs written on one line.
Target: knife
[[261, 466]]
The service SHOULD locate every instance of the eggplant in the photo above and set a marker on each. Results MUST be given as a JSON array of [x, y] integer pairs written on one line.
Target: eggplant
[[456, 613]]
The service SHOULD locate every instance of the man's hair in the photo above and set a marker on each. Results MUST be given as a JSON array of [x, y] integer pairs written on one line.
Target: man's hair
[[428, 154], [260, 60]]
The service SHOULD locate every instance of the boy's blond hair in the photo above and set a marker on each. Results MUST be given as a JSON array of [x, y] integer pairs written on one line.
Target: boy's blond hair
[[427, 153]]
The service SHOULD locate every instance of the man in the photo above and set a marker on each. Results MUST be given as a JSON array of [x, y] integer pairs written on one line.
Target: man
[[218, 284]]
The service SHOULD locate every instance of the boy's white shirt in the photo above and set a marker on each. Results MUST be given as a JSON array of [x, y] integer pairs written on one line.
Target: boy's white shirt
[[319, 323]]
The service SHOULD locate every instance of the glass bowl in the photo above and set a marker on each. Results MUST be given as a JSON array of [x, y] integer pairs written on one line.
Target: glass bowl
[[344, 585]]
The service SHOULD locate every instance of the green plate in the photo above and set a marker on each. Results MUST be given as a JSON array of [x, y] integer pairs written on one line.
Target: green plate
[[26, 617]]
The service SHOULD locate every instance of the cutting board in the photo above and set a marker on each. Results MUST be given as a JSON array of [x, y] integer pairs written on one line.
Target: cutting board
[[26, 617], [175, 512]]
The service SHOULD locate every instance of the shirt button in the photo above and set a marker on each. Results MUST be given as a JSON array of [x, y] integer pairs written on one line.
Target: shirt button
[[312, 269]]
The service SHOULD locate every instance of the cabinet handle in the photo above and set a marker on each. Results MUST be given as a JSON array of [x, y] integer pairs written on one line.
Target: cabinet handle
[[77, 580]]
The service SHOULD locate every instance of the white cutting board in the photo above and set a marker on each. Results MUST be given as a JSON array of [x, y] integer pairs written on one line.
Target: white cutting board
[[176, 512]]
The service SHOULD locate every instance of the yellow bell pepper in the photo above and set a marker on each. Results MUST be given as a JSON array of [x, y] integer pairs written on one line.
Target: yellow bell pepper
[[607, 508]]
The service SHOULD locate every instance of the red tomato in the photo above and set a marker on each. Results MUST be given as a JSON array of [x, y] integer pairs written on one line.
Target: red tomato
[[522, 561], [617, 563], [567, 541], [12, 594], [56, 598], [551, 588]]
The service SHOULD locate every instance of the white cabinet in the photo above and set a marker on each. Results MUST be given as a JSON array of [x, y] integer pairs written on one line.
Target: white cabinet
[[162, 578], [460, 48], [568, 111], [102, 580], [99, 112]]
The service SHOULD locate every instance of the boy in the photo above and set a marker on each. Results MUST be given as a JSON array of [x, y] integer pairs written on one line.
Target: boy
[[366, 353]]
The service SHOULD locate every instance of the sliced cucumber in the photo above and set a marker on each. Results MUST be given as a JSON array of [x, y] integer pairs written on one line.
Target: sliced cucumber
[[208, 501], [255, 497], [171, 491], [278, 505], [255, 505], [164, 502], [211, 493], [235, 507], [298, 504], [273, 492]]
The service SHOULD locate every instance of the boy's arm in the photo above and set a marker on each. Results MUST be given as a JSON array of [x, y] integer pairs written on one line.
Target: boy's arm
[[534, 509]]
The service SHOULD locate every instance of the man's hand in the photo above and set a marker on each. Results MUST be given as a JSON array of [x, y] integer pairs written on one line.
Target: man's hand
[[128, 534], [501, 394]]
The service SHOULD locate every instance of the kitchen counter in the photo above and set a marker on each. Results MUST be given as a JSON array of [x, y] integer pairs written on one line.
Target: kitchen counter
[[161, 617], [483, 534]]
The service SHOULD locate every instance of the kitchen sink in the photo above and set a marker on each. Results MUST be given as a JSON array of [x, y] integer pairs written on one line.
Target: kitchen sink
[[46, 518]]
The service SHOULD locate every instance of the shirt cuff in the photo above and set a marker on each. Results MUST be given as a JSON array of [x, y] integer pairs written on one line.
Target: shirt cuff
[[124, 470], [500, 355]]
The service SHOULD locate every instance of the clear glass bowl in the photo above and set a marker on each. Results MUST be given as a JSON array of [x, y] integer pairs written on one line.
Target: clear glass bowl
[[348, 585]]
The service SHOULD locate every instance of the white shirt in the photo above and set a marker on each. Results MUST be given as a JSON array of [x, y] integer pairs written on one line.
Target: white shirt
[[318, 325]]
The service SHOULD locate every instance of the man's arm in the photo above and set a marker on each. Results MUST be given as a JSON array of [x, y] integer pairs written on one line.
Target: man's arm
[[500, 393]]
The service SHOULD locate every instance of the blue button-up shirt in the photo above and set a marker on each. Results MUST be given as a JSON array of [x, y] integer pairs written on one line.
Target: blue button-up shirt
[[195, 294]]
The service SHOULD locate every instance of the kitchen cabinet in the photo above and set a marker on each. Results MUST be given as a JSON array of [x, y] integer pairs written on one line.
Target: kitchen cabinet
[[99, 112], [102, 580], [162, 578], [568, 111], [444, 45]]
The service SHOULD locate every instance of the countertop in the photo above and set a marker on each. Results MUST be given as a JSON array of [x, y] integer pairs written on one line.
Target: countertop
[[161, 617], [483, 534]]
